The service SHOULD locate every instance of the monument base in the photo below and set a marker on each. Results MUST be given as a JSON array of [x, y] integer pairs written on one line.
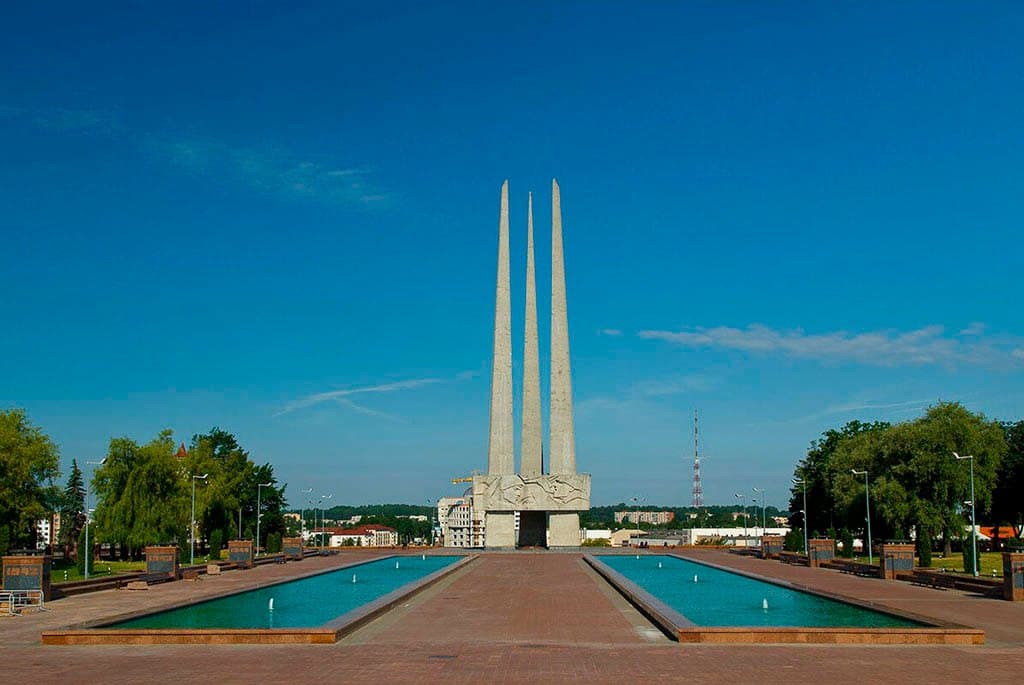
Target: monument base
[[500, 529], [563, 529], [533, 529]]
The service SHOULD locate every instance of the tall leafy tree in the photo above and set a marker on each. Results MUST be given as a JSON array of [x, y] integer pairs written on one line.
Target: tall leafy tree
[[227, 502], [72, 511], [29, 461], [819, 470], [143, 498], [1008, 498], [915, 482]]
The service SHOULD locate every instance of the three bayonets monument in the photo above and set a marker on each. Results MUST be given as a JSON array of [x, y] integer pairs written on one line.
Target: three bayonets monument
[[548, 500]]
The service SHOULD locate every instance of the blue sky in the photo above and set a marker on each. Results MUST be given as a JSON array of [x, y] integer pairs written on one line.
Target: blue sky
[[786, 215]]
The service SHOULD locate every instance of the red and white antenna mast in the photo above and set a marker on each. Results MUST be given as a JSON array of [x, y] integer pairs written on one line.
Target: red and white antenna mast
[[698, 489]]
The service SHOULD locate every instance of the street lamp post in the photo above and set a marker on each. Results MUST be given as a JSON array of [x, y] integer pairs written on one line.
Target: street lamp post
[[764, 517], [803, 482], [740, 497], [974, 529], [259, 513], [302, 515], [323, 517], [192, 528], [101, 462], [433, 525], [867, 507]]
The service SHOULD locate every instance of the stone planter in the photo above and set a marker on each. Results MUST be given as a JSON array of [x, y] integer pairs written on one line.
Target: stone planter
[[821, 550], [162, 559], [27, 572], [240, 553], [895, 558], [1013, 576]]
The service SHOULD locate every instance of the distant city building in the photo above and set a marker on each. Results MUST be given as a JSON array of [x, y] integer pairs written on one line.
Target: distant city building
[[291, 516], [370, 535], [414, 517], [652, 517], [462, 524], [595, 534], [694, 536], [48, 531]]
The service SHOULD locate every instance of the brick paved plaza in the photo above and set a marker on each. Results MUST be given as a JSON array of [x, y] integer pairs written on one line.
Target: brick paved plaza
[[524, 617]]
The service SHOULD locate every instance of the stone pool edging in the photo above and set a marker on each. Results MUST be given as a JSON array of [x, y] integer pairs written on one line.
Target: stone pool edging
[[92, 633], [681, 629]]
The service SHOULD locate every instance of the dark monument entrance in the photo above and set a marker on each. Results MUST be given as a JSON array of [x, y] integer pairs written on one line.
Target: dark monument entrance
[[533, 529]]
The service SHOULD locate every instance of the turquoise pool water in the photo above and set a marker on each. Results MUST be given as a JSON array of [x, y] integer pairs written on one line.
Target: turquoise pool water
[[302, 603], [720, 598]]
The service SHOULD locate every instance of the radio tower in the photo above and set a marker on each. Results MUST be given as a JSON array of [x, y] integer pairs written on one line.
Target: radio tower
[[698, 490]]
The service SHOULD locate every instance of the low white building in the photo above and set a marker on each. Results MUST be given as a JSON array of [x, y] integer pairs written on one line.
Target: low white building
[[370, 535], [595, 534], [736, 537]]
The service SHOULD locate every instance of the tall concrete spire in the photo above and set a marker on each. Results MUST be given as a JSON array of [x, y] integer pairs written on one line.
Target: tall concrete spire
[[500, 451], [562, 442], [531, 442]]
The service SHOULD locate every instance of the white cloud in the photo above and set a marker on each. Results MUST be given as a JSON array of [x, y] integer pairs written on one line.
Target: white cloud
[[265, 169], [920, 347], [609, 331], [340, 396], [975, 328]]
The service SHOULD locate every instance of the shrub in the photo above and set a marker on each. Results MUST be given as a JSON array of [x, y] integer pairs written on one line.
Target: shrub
[[968, 553], [794, 541], [273, 543], [846, 537], [597, 542], [924, 546], [81, 554], [216, 543]]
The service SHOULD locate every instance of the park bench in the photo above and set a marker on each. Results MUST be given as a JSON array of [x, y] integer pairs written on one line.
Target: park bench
[[793, 558], [143, 581], [852, 567]]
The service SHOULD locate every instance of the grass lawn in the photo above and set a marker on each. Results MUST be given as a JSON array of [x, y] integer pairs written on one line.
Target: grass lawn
[[988, 562], [97, 569]]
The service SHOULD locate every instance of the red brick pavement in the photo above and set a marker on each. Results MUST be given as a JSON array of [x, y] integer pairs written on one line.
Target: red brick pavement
[[540, 619]]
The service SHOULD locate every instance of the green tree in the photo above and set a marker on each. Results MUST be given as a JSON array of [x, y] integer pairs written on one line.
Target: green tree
[[1008, 498], [72, 510], [143, 498], [914, 479], [29, 461], [819, 471]]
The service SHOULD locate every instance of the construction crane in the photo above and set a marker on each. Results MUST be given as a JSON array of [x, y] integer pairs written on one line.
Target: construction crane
[[465, 479]]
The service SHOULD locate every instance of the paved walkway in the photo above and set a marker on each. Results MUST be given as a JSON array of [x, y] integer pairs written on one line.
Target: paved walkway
[[1003, 622], [537, 618], [62, 613]]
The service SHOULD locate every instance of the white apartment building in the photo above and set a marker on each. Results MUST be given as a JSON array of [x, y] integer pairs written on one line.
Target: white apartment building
[[652, 517], [461, 524], [371, 535]]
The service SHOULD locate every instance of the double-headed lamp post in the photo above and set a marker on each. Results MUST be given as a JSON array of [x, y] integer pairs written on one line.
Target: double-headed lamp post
[[740, 497], [259, 512], [323, 516], [764, 516], [974, 529], [802, 482], [101, 462], [192, 528], [302, 515], [867, 508]]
